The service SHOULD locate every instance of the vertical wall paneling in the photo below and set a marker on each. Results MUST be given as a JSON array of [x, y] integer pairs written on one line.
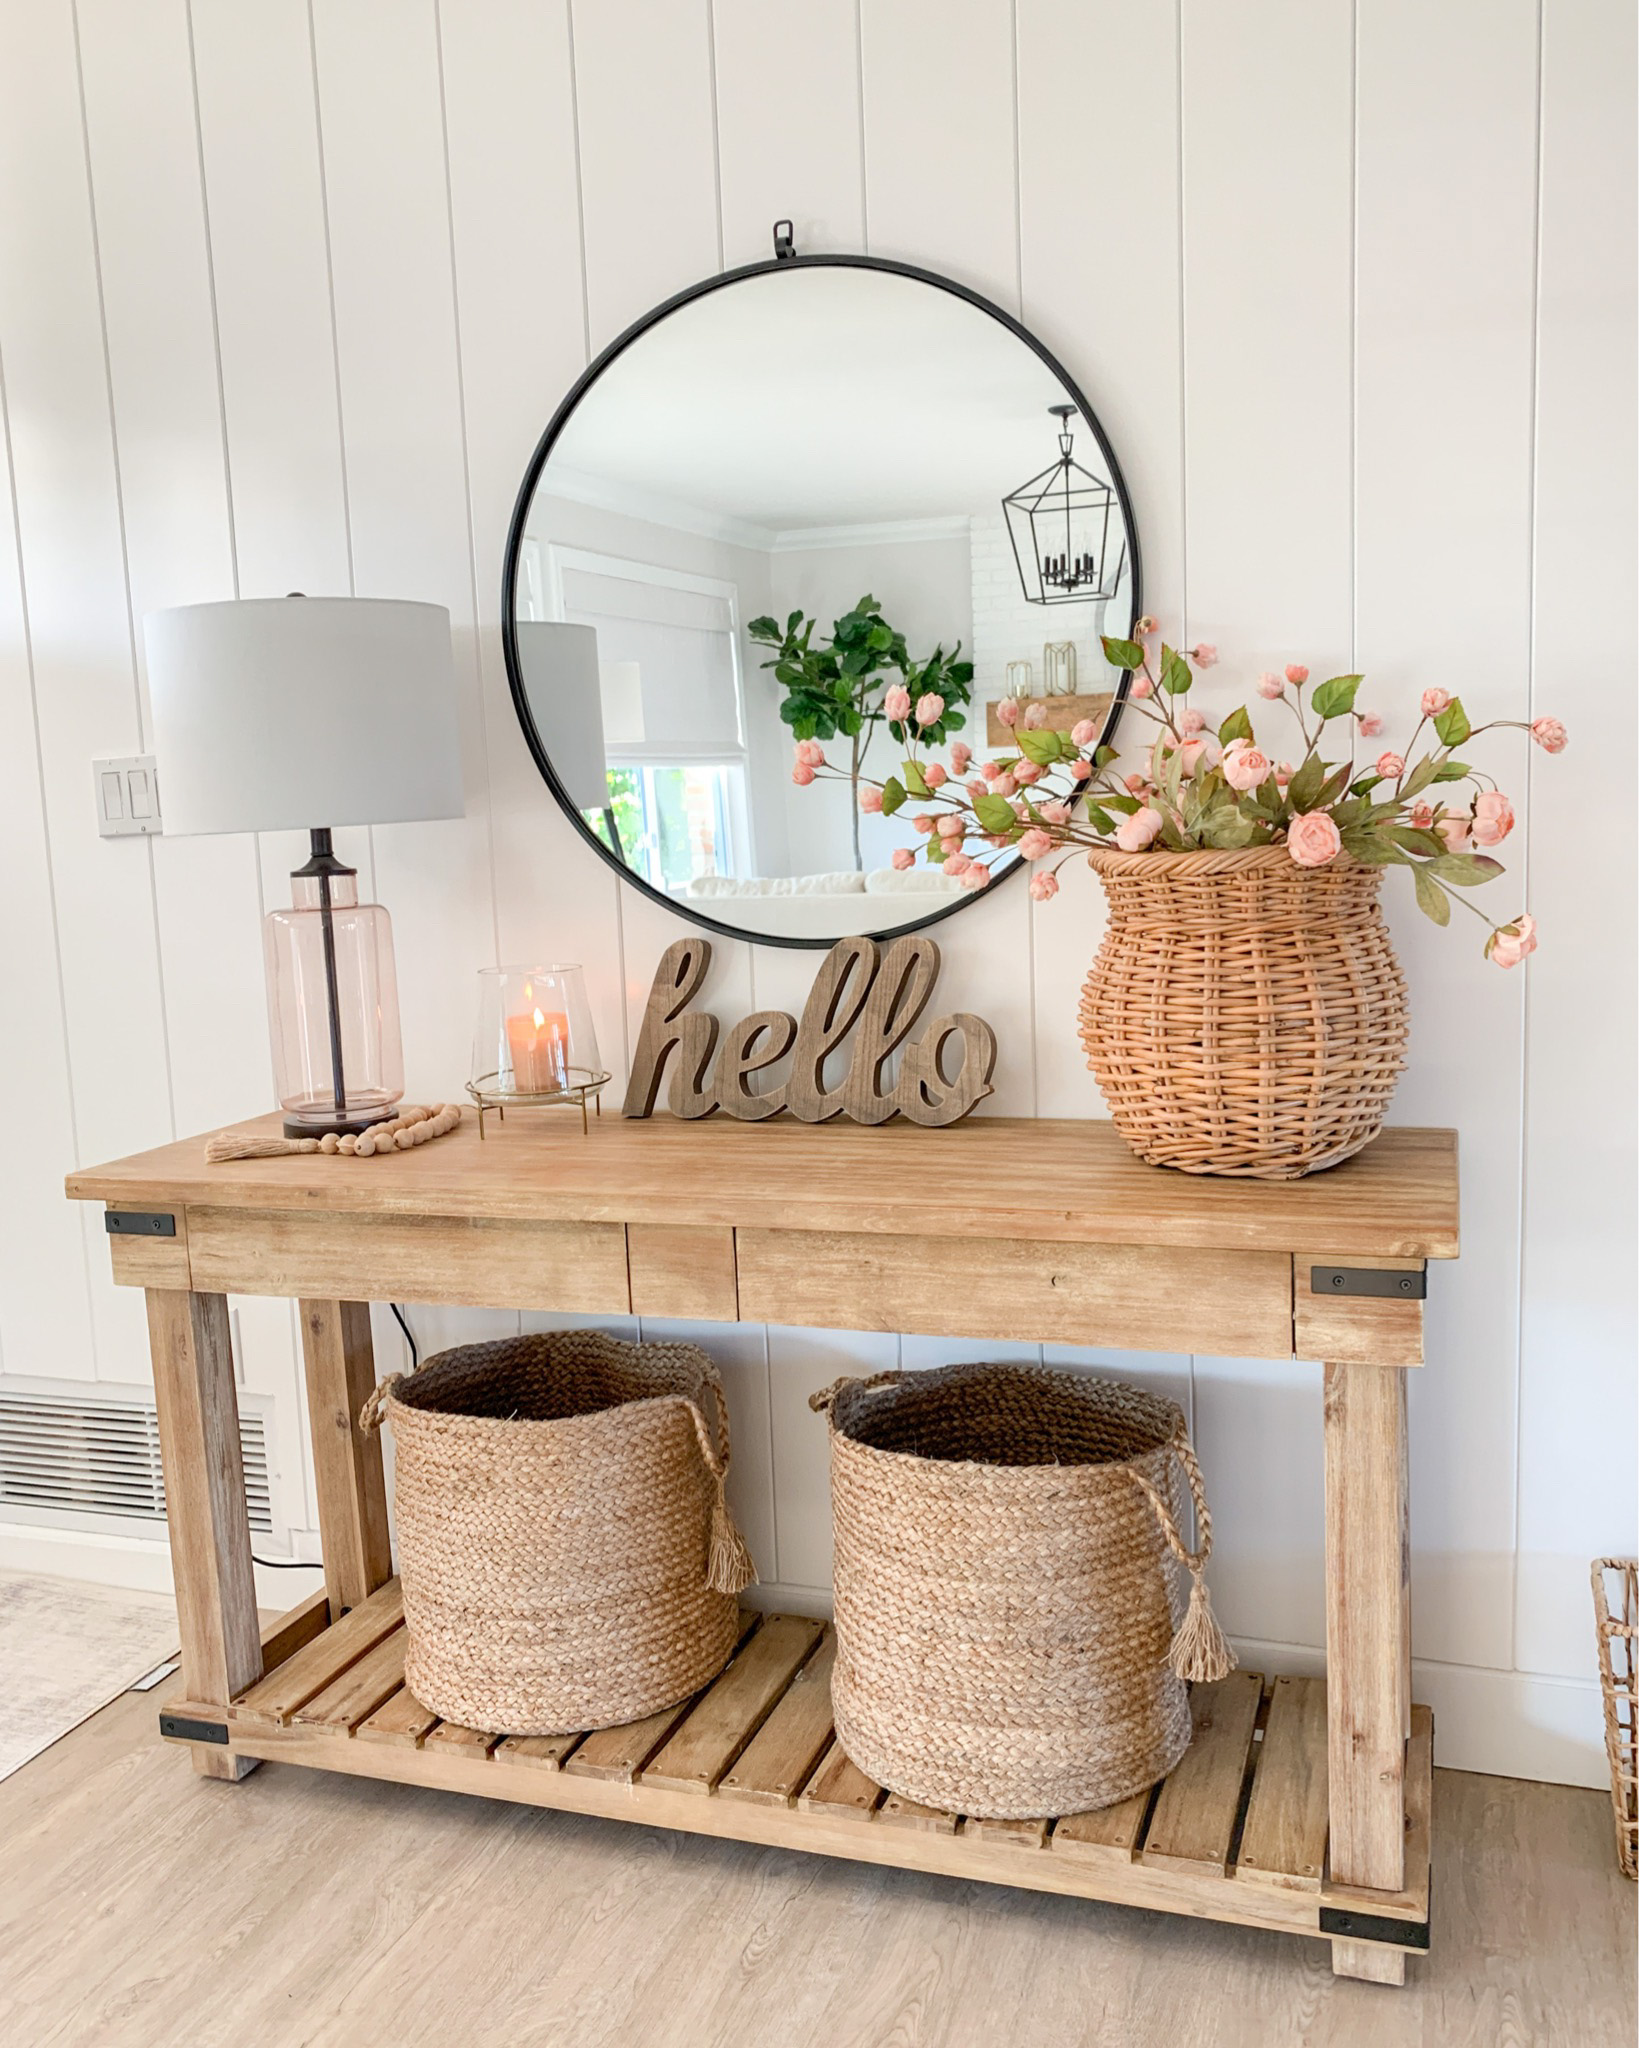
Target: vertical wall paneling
[[1577, 1334], [73, 568], [1267, 199], [1444, 398], [788, 126], [287, 295]]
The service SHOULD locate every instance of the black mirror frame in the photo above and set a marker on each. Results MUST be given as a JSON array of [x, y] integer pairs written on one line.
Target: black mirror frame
[[538, 462]]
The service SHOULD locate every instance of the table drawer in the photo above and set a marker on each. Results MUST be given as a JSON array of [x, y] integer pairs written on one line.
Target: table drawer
[[1137, 1297], [684, 1270], [480, 1263]]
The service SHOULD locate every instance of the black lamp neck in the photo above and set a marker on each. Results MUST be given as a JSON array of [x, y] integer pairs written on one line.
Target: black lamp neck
[[322, 859]]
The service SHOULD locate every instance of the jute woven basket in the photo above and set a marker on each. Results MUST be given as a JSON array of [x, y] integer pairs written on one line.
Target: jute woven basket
[[1007, 1584], [567, 1556], [1244, 1015]]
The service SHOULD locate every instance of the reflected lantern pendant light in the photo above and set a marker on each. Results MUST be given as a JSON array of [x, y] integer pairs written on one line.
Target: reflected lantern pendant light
[[1060, 524]]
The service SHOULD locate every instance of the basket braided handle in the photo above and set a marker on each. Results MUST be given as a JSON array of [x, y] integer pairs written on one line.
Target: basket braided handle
[[374, 1412], [729, 1566], [823, 1402], [1199, 1651]]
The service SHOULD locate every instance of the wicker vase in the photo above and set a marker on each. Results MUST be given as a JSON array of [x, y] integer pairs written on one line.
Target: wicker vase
[[1244, 1015]]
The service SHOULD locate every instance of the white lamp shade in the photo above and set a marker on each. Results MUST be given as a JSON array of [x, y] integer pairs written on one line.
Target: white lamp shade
[[559, 666], [280, 712]]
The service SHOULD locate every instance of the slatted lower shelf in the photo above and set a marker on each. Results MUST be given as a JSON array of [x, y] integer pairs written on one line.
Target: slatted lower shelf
[[1237, 1832]]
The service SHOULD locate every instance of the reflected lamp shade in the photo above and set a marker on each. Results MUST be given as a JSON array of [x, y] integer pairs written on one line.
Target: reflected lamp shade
[[312, 712], [284, 712], [559, 667]]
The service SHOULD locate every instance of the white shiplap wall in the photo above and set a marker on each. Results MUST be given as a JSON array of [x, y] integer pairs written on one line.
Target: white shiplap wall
[[287, 293]]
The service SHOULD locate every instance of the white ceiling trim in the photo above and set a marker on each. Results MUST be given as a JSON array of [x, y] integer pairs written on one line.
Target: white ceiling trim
[[657, 510], [872, 533]]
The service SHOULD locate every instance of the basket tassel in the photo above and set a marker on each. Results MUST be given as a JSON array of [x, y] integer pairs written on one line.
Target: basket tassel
[[729, 1568], [1199, 1651]]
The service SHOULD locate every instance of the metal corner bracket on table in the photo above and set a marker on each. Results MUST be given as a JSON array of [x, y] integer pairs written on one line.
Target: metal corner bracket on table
[[1303, 1805]]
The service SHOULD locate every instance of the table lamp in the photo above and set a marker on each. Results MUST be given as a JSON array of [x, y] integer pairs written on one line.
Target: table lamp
[[272, 713]]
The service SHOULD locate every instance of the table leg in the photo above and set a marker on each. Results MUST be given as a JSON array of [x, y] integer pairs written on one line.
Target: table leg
[[352, 1492], [198, 1407], [1368, 1643]]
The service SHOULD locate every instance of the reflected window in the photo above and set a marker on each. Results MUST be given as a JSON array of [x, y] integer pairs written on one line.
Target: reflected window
[[675, 824]]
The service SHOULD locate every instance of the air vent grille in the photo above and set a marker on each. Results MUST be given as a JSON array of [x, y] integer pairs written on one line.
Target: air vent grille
[[87, 1455]]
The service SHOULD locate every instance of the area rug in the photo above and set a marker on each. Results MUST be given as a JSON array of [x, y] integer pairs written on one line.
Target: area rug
[[67, 1648]]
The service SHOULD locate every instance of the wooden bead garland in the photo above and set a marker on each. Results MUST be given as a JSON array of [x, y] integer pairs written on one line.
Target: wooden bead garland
[[409, 1128]]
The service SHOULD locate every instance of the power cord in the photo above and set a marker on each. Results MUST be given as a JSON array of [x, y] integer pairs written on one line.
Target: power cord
[[299, 1564]]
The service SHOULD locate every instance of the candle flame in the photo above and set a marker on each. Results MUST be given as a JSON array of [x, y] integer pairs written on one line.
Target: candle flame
[[540, 1021]]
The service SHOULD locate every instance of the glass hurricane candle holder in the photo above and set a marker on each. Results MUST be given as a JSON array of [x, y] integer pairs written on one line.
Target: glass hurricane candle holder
[[535, 1044]]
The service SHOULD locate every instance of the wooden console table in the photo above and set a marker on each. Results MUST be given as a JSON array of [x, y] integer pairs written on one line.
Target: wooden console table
[[1302, 1805]]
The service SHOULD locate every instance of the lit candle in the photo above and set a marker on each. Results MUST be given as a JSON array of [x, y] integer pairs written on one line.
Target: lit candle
[[539, 1043]]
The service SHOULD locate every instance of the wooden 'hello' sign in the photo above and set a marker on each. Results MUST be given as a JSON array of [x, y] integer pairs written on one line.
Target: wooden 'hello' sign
[[882, 995]]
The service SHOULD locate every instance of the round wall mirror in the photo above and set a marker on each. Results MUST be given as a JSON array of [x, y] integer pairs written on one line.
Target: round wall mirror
[[780, 496]]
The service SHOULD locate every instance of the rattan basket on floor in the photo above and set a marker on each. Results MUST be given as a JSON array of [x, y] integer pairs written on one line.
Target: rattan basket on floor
[[567, 1555], [1007, 1586], [1616, 1612], [1244, 1015]]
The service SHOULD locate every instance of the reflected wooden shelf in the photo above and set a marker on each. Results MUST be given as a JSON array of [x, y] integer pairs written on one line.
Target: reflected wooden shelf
[[1238, 1831]]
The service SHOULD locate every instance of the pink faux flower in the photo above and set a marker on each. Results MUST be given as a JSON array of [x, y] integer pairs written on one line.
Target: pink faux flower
[[810, 754], [870, 797], [934, 776], [975, 875], [1004, 785], [1026, 773], [1296, 672], [1391, 766], [1510, 945], [1035, 717], [978, 786], [922, 822], [1371, 724], [990, 770], [1422, 817], [1083, 733], [1007, 711], [1312, 839], [1454, 831], [1270, 685], [902, 858], [1191, 722], [957, 862], [1493, 818], [1142, 687], [1136, 785], [1283, 772], [1146, 625], [929, 708], [802, 775], [960, 755], [1055, 813], [950, 825], [1044, 887], [1434, 702], [896, 703], [1080, 770], [1203, 751], [1133, 834], [1246, 766], [1203, 654], [1549, 734], [1034, 843]]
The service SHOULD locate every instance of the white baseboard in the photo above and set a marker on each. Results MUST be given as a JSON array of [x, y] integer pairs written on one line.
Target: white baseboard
[[138, 1564]]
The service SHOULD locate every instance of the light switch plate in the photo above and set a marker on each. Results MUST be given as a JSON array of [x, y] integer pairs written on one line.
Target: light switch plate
[[127, 791]]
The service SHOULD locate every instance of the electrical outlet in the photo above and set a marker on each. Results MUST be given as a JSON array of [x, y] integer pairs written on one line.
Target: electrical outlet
[[127, 796]]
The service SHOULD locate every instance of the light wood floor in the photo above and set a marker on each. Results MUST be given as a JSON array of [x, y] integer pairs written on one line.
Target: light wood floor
[[140, 1905]]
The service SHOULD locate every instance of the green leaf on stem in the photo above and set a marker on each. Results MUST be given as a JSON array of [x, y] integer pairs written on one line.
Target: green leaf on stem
[[1127, 805], [1100, 818], [1432, 900], [1304, 786], [1237, 726], [1452, 771], [1041, 747], [1419, 776], [1452, 724], [1465, 870], [915, 781], [994, 813], [893, 795], [1415, 840], [1334, 698], [1175, 672], [1123, 653]]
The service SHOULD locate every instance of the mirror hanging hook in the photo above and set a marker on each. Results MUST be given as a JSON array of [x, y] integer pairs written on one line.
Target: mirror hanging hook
[[784, 245]]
